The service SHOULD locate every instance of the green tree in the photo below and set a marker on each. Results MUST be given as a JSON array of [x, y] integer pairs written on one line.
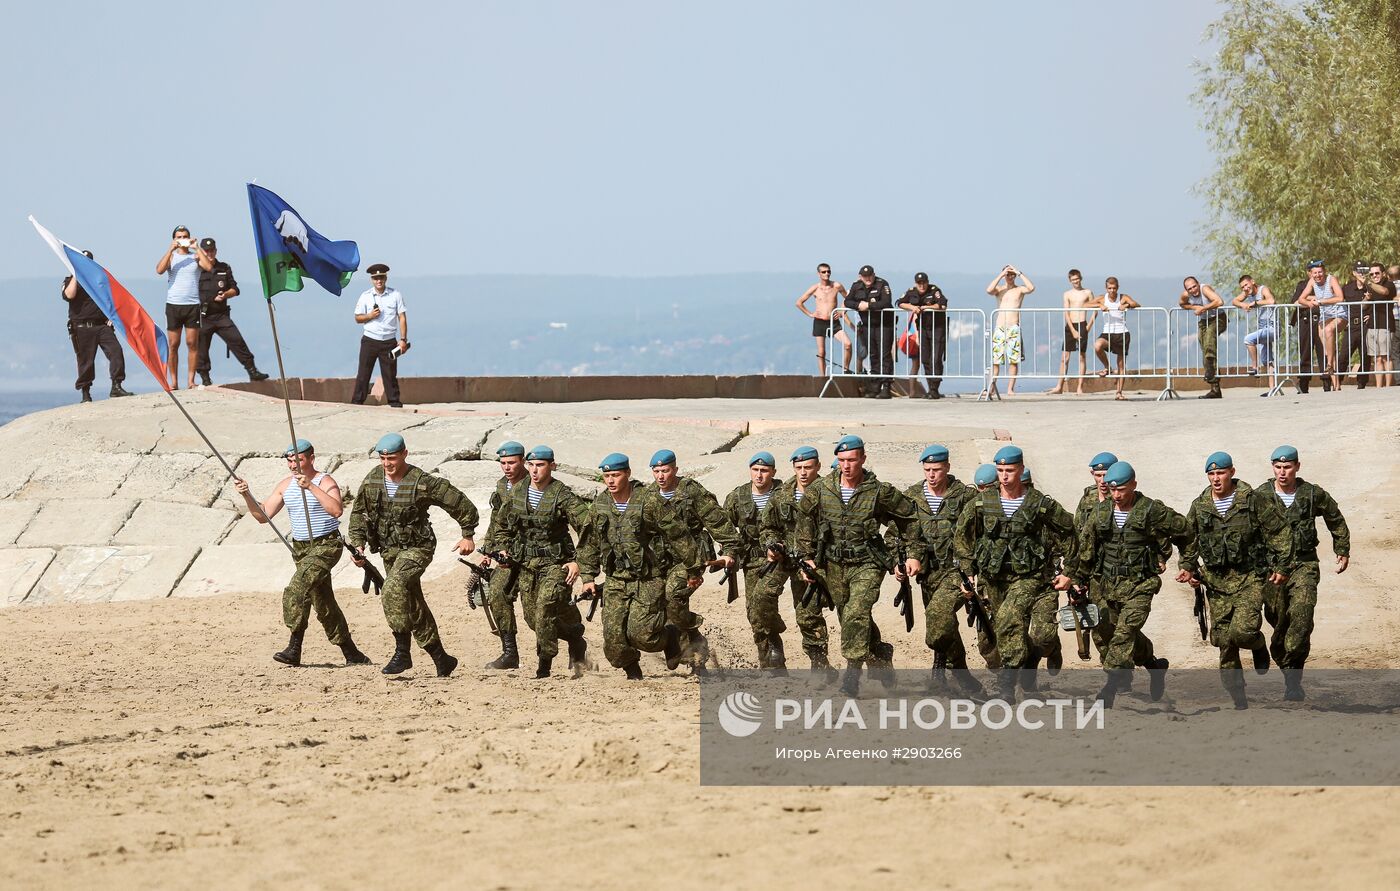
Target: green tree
[[1302, 107]]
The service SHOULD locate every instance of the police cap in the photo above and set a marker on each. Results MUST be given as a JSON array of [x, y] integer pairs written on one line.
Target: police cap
[[377, 269]]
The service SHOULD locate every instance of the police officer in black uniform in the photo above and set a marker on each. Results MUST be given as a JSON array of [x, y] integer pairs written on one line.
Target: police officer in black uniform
[[217, 287], [89, 329], [869, 296], [931, 307]]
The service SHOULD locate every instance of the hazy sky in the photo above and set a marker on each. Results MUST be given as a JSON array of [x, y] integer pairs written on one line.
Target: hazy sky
[[637, 138]]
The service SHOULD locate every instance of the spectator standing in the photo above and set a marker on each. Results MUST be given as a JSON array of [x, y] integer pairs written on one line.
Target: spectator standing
[[89, 329], [826, 293], [1354, 293], [381, 310], [181, 265], [1378, 319], [870, 296], [1006, 331], [1393, 276], [1322, 291], [1258, 299], [1078, 321], [217, 287], [1210, 324], [1115, 338], [930, 309], [1308, 319]]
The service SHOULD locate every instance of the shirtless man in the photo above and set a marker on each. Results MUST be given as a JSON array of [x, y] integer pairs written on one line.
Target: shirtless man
[[1006, 335], [1077, 298], [826, 291]]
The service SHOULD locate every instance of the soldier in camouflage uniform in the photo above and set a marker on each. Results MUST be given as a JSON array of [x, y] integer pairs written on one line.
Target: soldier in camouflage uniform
[[689, 549], [839, 521], [1288, 607], [1012, 537], [1120, 544], [534, 531], [1242, 541], [390, 515], [745, 506], [779, 524], [501, 591], [938, 501], [626, 541], [316, 548]]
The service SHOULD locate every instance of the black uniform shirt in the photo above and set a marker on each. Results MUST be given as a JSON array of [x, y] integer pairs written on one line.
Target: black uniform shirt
[[932, 297], [878, 293], [212, 282], [81, 308]]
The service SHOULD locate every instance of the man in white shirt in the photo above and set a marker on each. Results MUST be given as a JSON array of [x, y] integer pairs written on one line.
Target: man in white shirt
[[381, 311], [181, 264]]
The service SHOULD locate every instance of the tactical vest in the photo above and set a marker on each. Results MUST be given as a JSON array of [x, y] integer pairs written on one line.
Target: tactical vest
[[849, 533], [628, 552], [542, 533], [1233, 542], [498, 498], [683, 503], [397, 522], [1011, 545], [936, 530], [1302, 522], [1129, 552], [747, 521]]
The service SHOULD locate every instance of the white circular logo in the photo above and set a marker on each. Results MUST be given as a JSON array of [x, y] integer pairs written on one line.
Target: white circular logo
[[740, 714]]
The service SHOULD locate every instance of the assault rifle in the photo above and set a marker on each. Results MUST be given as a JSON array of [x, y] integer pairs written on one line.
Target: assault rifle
[[815, 586], [774, 547], [372, 575], [904, 600], [478, 578], [1200, 610], [728, 579], [1081, 619], [978, 615], [594, 599]]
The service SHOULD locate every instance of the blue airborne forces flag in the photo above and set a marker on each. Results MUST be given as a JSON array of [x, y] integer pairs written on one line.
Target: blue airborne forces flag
[[290, 250]]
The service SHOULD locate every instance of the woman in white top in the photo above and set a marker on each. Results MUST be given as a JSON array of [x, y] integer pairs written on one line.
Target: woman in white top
[[1115, 336]]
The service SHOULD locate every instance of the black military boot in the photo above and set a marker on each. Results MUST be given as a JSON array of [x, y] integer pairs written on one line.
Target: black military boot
[[762, 648], [634, 671], [933, 392], [292, 654], [871, 390], [777, 659], [444, 663], [1054, 662], [578, 653], [1233, 679], [1261, 659], [1006, 685], [402, 660], [884, 391], [1028, 679], [1293, 684], [510, 656], [87, 395], [968, 682], [546, 664], [254, 375], [820, 663], [882, 663], [1115, 683], [672, 648], [938, 677], [118, 391], [352, 653], [850, 681], [1157, 678], [205, 380]]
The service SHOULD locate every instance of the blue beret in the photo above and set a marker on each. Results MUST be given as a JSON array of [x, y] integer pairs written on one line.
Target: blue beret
[[1284, 453], [1009, 455], [1025, 475], [986, 475], [804, 453], [665, 456], [1103, 461], [1219, 461], [509, 449], [764, 458], [540, 453], [390, 443], [302, 447], [934, 453], [835, 464], [1121, 472], [848, 443], [615, 461]]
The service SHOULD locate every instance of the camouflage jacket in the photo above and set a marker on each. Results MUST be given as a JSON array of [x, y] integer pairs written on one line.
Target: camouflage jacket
[[935, 531], [741, 510], [1135, 551], [1253, 537], [540, 536], [498, 498], [627, 546], [695, 524], [831, 531], [1025, 545], [1310, 502], [402, 521]]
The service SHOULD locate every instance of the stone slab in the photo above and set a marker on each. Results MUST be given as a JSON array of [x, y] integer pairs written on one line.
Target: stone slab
[[14, 517], [97, 475], [76, 521], [164, 522], [101, 574], [185, 477], [20, 570], [232, 569]]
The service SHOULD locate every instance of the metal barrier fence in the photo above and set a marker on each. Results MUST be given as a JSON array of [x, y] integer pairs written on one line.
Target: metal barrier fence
[[1276, 344], [937, 345]]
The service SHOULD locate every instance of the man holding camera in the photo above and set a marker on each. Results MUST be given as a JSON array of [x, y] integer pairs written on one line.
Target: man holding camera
[[381, 311], [181, 266], [217, 287], [89, 329]]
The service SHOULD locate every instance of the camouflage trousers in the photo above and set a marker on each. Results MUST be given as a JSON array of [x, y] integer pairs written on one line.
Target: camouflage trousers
[[1124, 605], [694, 648], [501, 592], [548, 608], [987, 643], [1236, 600], [1026, 621], [942, 596], [1289, 610], [761, 603], [405, 608], [810, 619], [310, 588], [855, 587], [634, 619]]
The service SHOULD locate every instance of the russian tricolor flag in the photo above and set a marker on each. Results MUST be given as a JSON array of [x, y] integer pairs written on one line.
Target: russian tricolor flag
[[128, 317]]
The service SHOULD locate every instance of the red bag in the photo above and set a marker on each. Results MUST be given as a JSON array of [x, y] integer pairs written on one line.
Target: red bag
[[909, 341]]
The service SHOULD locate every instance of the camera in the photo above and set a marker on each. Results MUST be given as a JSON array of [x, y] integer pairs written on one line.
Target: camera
[[184, 242]]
